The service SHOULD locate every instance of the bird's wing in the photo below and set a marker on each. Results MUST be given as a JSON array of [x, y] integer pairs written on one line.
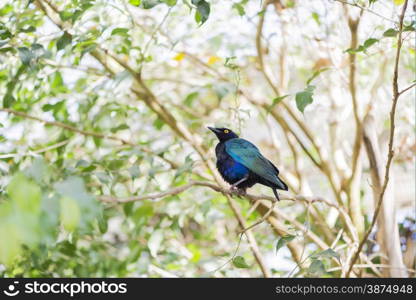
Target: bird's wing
[[249, 155]]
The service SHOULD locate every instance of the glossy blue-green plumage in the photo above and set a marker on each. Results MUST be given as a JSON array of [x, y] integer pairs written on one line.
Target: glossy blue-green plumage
[[247, 154]]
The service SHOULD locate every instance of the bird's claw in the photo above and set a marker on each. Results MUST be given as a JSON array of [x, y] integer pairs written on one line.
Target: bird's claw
[[239, 192]]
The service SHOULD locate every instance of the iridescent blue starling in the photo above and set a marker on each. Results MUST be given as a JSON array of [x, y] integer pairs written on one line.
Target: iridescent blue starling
[[242, 165]]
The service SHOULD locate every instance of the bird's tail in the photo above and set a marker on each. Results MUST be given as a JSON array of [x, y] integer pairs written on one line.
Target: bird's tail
[[276, 194], [281, 185]]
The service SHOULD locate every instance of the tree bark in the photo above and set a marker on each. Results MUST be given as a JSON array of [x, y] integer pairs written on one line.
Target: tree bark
[[388, 232]]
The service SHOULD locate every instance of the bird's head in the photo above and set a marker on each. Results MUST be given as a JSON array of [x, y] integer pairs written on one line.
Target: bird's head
[[223, 134]]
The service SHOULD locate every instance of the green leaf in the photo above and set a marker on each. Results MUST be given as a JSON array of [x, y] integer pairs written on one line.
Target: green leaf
[[304, 98], [65, 15], [148, 4], [187, 166], [202, 11], [290, 3], [240, 262], [398, 2], [72, 190], [283, 241], [363, 48], [8, 100], [276, 101], [328, 253], [70, 213], [369, 42], [316, 74], [57, 83], [158, 123], [315, 17], [82, 163], [64, 40], [390, 32], [10, 250], [38, 51], [54, 107], [25, 55], [410, 27], [4, 33], [229, 64], [196, 253], [135, 2], [102, 224], [28, 29], [143, 212], [120, 127], [103, 177], [154, 242], [240, 9], [25, 194], [67, 248], [317, 267], [120, 31], [134, 171], [170, 3], [6, 9], [128, 208], [222, 90], [190, 98]]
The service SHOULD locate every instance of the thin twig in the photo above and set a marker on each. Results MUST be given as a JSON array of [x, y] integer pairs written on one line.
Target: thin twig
[[35, 152], [366, 9], [408, 88]]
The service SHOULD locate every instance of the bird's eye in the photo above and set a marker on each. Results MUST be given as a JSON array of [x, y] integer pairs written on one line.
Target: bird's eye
[[226, 131]]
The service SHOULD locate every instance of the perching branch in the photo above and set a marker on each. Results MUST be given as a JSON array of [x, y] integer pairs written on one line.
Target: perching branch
[[217, 188], [273, 218]]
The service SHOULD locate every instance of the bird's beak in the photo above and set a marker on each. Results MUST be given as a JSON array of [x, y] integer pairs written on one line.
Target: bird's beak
[[214, 130]]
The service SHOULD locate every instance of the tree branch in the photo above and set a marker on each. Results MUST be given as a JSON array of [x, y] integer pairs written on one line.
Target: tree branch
[[366, 9], [322, 163], [87, 133], [145, 94], [391, 139], [408, 88], [353, 187]]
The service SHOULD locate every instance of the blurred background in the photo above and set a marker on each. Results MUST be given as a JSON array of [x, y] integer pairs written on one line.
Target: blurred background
[[104, 149]]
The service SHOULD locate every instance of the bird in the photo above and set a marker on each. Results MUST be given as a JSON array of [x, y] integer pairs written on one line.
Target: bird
[[242, 165]]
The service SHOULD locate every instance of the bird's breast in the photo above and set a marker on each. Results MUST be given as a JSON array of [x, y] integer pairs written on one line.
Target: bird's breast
[[231, 170]]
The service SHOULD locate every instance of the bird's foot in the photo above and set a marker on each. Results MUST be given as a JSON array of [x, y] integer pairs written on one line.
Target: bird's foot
[[237, 191]]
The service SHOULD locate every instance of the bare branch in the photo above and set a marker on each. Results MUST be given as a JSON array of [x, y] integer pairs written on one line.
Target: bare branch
[[391, 140], [408, 88], [353, 187]]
